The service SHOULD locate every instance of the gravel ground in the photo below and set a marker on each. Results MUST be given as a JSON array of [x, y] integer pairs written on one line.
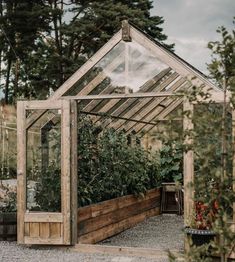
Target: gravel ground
[[161, 232], [11, 252]]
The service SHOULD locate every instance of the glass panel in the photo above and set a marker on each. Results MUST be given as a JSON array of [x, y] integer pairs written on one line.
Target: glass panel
[[44, 163], [125, 69]]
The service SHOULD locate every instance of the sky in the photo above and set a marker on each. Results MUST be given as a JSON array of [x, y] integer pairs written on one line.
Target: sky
[[191, 24]]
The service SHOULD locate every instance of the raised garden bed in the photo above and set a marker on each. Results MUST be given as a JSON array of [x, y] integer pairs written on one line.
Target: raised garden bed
[[103, 220]]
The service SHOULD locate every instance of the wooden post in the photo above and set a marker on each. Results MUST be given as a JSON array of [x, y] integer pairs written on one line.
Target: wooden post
[[65, 172], [126, 31], [21, 171], [74, 172], [188, 165]]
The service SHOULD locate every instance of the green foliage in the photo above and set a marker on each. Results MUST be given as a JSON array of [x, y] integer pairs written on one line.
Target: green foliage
[[171, 161], [48, 190], [9, 203], [109, 167]]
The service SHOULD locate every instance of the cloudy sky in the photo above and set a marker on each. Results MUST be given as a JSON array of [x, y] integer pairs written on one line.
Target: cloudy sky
[[191, 24]]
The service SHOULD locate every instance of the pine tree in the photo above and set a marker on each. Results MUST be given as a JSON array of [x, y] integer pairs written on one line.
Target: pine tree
[[21, 23], [53, 38]]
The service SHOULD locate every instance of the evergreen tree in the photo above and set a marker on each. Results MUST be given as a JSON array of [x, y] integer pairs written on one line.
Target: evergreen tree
[[53, 38], [21, 23]]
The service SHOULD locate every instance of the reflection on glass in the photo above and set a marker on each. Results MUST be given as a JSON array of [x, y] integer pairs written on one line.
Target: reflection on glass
[[44, 163], [126, 68]]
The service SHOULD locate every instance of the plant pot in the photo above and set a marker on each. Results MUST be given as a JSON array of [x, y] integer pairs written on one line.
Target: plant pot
[[8, 226], [200, 237]]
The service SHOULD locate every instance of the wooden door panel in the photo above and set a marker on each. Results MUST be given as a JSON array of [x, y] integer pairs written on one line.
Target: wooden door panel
[[53, 228]]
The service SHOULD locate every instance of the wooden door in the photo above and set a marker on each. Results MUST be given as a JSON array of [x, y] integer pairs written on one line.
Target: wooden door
[[44, 196]]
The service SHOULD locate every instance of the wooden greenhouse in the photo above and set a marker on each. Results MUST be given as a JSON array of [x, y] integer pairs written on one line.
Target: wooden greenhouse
[[132, 79]]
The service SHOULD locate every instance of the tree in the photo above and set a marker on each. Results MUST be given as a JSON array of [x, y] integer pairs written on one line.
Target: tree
[[56, 37], [21, 23], [222, 70]]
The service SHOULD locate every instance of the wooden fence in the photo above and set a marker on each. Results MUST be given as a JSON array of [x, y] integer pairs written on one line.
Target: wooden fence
[[99, 221]]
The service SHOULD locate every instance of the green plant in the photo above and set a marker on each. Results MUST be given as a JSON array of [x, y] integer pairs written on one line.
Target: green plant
[[171, 161], [9, 203], [109, 167], [48, 190]]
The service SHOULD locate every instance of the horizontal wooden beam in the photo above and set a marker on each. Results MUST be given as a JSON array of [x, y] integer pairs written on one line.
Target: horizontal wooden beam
[[120, 250], [122, 96], [43, 217], [215, 96], [42, 241], [42, 105]]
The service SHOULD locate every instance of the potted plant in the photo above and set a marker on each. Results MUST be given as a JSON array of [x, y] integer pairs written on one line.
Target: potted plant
[[8, 217], [201, 230]]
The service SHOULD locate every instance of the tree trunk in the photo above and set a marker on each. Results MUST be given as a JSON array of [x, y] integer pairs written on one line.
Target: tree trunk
[[9, 62]]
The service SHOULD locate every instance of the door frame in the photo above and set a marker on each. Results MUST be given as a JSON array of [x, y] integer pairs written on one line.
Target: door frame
[[66, 220]]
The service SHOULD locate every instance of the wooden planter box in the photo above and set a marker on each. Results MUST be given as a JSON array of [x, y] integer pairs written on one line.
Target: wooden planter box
[[8, 226], [103, 220]]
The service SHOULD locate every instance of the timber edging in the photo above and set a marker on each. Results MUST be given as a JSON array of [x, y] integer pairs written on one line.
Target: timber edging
[[100, 221]]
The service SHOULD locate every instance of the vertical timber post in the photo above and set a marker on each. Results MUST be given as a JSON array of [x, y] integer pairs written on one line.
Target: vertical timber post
[[74, 172], [188, 164], [21, 170], [66, 171]]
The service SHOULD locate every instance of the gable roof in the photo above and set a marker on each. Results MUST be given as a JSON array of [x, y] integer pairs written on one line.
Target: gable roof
[[133, 114]]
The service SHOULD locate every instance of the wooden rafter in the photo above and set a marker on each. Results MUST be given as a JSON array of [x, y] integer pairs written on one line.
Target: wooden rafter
[[167, 57], [162, 115], [111, 104], [154, 108], [143, 103], [88, 65]]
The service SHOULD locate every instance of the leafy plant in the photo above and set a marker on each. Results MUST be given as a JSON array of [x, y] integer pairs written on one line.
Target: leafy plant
[[171, 161], [48, 190], [9, 203]]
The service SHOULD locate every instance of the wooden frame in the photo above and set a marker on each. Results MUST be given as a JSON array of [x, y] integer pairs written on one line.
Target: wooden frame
[[136, 112], [48, 227]]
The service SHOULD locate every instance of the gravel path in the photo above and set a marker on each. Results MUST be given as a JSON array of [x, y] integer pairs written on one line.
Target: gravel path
[[161, 232], [11, 252]]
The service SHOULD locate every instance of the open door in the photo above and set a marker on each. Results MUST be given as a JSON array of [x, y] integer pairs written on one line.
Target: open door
[[45, 168]]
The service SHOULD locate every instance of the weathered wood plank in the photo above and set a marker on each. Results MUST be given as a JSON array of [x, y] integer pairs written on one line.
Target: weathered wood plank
[[34, 229], [127, 251], [74, 173], [113, 204], [116, 228], [55, 230], [41, 241], [43, 217], [118, 215], [21, 171], [44, 230], [26, 229], [65, 171]]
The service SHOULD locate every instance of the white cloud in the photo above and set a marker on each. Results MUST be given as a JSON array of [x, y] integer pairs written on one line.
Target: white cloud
[[191, 24]]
